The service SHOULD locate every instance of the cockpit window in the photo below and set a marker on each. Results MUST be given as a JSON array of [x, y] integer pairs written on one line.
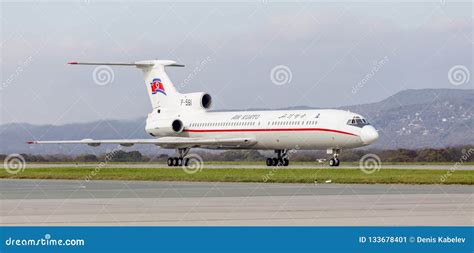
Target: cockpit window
[[357, 121]]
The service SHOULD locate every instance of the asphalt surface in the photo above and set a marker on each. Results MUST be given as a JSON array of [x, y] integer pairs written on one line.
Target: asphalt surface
[[75, 202], [242, 166]]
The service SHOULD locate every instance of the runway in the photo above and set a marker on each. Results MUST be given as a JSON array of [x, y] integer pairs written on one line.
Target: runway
[[75, 202], [242, 166]]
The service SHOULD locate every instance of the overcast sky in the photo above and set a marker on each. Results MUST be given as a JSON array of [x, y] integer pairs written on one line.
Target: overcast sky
[[322, 54]]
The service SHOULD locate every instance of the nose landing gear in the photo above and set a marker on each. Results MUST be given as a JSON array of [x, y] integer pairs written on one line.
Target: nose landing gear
[[280, 160], [334, 162]]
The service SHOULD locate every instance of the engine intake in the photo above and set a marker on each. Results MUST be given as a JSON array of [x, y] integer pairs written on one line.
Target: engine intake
[[177, 126], [164, 127], [206, 101], [196, 100]]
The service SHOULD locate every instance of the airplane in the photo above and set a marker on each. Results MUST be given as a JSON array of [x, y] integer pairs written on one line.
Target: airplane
[[184, 121]]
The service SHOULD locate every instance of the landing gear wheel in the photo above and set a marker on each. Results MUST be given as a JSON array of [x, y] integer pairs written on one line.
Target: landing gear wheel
[[269, 162], [274, 161], [180, 161], [336, 162], [170, 162], [186, 161], [280, 162], [175, 161]]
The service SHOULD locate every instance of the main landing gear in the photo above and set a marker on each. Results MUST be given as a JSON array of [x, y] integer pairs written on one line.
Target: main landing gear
[[280, 160], [334, 162], [180, 160]]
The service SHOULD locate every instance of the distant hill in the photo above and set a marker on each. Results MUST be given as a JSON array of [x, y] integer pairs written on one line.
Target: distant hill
[[14, 135], [408, 119], [422, 118]]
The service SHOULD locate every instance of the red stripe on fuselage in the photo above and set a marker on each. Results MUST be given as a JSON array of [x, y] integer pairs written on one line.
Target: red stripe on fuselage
[[266, 130]]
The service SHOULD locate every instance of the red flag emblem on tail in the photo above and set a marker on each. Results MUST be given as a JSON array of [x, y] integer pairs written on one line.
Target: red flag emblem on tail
[[157, 86]]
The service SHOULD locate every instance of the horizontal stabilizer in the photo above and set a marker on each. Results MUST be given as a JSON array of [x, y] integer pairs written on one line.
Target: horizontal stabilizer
[[138, 64]]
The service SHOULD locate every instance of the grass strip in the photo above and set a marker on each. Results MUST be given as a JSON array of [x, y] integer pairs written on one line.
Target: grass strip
[[275, 175]]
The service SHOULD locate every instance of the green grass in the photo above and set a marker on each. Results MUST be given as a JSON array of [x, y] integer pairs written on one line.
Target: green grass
[[277, 175]]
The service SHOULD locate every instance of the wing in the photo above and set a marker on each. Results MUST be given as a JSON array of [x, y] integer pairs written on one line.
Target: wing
[[165, 142]]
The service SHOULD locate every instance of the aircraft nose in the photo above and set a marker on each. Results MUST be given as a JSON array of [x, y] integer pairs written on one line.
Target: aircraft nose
[[369, 134]]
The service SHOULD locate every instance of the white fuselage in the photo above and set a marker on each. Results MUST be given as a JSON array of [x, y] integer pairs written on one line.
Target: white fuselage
[[278, 129]]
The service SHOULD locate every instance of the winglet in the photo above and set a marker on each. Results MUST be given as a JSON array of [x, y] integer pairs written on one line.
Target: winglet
[[72, 62], [31, 142]]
